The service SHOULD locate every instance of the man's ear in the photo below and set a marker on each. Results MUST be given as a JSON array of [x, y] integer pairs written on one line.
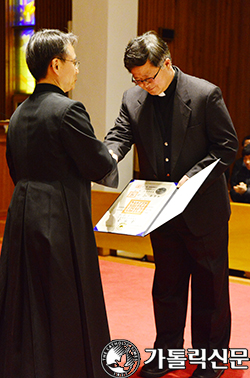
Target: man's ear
[[55, 63], [167, 62]]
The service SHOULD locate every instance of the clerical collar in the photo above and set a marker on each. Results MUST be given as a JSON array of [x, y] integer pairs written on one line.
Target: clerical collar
[[172, 85], [47, 87]]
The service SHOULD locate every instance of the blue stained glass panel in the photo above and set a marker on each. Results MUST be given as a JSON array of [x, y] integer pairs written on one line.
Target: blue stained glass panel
[[24, 12]]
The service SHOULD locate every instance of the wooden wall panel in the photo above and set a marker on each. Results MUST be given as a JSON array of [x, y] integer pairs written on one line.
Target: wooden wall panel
[[212, 41], [53, 14]]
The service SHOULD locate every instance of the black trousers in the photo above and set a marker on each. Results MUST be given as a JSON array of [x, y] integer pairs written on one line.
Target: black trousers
[[180, 255]]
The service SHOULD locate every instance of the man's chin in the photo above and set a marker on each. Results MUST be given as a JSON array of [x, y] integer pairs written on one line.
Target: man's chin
[[154, 91]]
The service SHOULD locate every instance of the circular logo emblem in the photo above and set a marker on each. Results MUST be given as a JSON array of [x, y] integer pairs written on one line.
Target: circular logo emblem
[[120, 358], [160, 190]]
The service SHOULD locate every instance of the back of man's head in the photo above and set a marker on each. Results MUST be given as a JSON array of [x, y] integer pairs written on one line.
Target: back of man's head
[[45, 45]]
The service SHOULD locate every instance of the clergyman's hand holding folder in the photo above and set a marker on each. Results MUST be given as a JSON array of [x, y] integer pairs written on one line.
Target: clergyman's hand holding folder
[[144, 206]]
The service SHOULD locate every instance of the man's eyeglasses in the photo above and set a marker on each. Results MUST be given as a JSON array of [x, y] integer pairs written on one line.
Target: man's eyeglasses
[[149, 80], [74, 61]]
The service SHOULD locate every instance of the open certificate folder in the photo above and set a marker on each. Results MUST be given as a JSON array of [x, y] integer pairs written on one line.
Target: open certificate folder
[[144, 206]]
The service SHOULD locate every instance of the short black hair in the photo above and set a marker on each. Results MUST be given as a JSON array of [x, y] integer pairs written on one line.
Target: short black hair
[[45, 45], [148, 46]]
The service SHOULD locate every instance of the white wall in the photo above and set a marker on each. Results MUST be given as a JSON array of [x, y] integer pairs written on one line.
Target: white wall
[[104, 28]]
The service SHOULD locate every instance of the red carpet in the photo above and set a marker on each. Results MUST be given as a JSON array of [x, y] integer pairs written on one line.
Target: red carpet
[[127, 290]]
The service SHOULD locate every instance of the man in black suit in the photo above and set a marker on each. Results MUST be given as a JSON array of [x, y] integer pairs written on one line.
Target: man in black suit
[[180, 125]]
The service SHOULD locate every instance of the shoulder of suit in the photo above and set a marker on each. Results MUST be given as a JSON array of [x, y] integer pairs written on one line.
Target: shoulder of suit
[[56, 100], [64, 101], [190, 80]]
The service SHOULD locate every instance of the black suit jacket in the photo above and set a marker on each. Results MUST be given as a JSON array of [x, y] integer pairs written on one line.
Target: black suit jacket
[[202, 131]]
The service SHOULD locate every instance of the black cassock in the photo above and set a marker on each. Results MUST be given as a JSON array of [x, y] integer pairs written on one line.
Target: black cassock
[[53, 321]]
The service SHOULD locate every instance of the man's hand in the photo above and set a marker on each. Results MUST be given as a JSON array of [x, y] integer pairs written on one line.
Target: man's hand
[[241, 188], [114, 156], [182, 181]]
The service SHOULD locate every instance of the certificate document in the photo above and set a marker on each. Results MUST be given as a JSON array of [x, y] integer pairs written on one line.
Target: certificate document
[[144, 206], [136, 208]]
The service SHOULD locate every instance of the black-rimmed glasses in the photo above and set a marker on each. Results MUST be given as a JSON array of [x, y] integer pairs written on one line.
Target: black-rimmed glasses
[[145, 81]]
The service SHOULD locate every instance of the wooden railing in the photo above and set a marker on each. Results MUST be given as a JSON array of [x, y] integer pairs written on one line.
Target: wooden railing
[[239, 231]]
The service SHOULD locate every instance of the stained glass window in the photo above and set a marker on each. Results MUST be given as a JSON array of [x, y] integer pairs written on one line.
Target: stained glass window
[[24, 21], [24, 12]]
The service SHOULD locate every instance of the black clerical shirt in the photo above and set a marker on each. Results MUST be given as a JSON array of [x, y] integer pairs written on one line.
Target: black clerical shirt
[[164, 114]]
